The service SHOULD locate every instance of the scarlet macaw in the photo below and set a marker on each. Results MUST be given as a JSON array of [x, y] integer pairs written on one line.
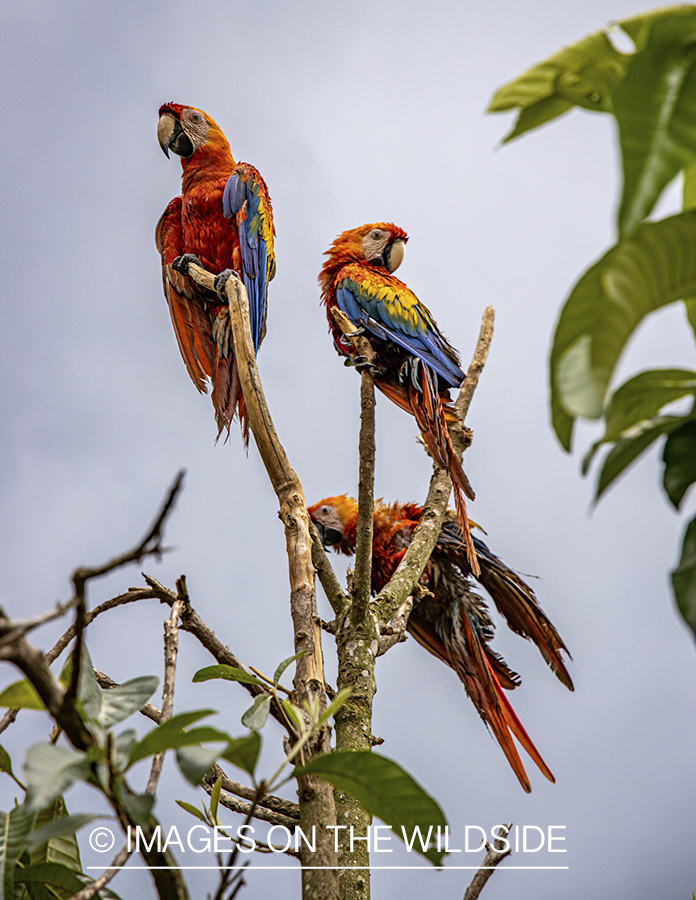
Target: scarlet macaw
[[450, 620], [222, 220], [415, 364]]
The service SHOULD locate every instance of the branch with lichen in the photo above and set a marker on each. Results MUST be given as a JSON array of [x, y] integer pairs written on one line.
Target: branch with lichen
[[316, 797]]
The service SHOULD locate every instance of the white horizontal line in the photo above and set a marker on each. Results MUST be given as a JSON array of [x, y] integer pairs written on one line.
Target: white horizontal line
[[339, 868]]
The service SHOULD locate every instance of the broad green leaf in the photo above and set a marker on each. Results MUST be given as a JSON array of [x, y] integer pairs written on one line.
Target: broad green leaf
[[643, 396], [62, 880], [679, 457], [655, 107], [118, 703], [21, 695], [61, 848], [195, 762], [638, 27], [162, 739], [49, 770], [138, 807], [160, 734], [88, 691], [684, 578], [636, 403], [285, 663], [654, 266], [244, 752], [229, 673], [190, 808], [690, 306], [5, 761], [121, 748], [629, 448], [584, 74], [14, 833], [45, 838], [257, 714], [689, 187], [383, 789]]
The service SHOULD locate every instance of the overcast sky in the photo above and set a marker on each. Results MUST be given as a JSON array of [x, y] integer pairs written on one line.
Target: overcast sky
[[354, 112]]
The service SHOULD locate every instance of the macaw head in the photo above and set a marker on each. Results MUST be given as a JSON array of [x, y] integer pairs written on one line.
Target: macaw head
[[380, 244], [336, 519], [184, 130]]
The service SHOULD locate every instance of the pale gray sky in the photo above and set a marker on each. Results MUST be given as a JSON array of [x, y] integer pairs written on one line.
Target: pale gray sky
[[353, 112]]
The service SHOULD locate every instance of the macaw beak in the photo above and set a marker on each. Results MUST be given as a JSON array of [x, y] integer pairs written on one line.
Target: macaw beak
[[329, 537], [171, 136], [394, 255]]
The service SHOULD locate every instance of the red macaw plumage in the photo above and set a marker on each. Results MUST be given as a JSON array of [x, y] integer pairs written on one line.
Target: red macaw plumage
[[224, 219], [415, 364], [450, 620]]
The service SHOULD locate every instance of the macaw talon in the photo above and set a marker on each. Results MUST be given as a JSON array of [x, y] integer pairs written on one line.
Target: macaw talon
[[363, 365], [359, 331], [181, 263], [222, 279]]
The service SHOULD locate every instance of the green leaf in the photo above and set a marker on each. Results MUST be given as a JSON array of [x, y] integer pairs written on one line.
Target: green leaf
[[64, 881], [190, 808], [5, 761], [629, 448], [195, 762], [644, 395], [655, 266], [49, 770], [684, 578], [679, 457], [61, 848], [383, 789], [257, 714], [335, 705], [244, 752], [690, 305], [689, 187], [14, 833], [583, 74], [21, 695], [655, 107], [215, 797], [139, 807], [229, 673], [285, 663], [161, 739], [121, 748], [61, 827], [119, 702]]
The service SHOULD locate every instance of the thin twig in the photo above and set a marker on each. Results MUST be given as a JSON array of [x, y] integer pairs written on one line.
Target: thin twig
[[171, 647], [150, 545], [93, 887], [494, 855]]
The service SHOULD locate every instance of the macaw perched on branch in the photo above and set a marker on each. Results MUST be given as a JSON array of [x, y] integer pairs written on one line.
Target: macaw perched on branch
[[450, 620], [222, 220], [415, 365]]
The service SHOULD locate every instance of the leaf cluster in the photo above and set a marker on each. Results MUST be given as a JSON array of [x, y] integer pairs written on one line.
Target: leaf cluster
[[651, 93]]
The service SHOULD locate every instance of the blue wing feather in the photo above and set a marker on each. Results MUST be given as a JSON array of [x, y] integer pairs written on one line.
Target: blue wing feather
[[429, 345], [242, 196]]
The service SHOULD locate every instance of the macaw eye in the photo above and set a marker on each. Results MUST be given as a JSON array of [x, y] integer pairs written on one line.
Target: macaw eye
[[376, 234], [324, 510], [196, 117]]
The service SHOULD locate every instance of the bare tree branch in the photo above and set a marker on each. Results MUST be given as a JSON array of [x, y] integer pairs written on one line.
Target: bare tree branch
[[316, 797], [494, 855], [171, 647]]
